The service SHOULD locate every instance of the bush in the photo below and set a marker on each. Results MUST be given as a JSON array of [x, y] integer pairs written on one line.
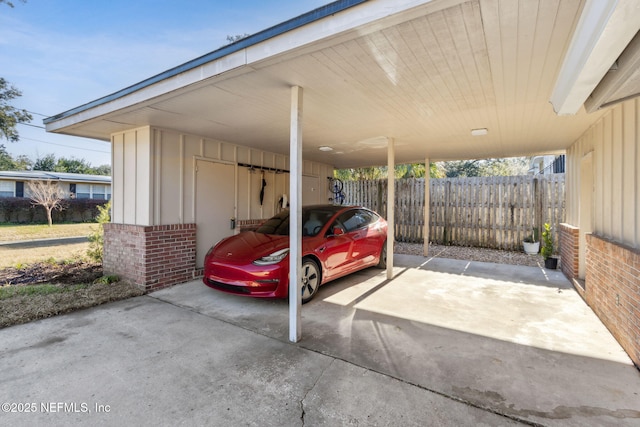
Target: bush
[[547, 241], [96, 239], [20, 210]]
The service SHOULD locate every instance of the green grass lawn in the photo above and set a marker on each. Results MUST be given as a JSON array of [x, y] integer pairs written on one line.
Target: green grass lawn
[[16, 232], [23, 254]]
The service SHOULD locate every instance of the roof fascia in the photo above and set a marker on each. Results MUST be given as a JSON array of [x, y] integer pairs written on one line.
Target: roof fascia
[[238, 58], [227, 50], [604, 29]]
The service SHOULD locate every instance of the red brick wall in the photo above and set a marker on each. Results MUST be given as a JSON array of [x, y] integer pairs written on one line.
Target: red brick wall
[[569, 244], [249, 224], [613, 290], [152, 257]]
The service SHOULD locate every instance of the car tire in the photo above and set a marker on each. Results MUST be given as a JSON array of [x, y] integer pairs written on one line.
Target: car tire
[[310, 278], [382, 263]]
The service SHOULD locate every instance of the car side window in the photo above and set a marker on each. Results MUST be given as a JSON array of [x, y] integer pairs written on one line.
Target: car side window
[[347, 221], [366, 218], [353, 220]]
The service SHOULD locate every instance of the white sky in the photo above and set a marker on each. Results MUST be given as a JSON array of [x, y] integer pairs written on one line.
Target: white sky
[[65, 53]]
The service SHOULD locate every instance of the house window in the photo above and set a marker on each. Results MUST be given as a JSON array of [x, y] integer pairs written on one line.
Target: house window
[[7, 189], [98, 192], [92, 191], [83, 191]]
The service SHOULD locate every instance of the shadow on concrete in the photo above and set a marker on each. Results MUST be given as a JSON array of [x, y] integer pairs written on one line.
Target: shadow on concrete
[[520, 345]]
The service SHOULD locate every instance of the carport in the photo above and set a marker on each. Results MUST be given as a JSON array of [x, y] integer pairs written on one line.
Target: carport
[[354, 83]]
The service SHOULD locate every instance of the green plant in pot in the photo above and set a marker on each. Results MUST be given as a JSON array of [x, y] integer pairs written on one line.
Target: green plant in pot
[[531, 243], [550, 261]]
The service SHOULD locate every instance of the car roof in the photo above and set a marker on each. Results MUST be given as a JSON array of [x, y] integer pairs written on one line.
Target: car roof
[[327, 207]]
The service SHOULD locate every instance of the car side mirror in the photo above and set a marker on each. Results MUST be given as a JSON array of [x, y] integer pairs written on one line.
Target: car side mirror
[[337, 231]]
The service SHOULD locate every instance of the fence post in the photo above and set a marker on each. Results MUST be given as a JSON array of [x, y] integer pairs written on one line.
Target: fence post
[[427, 208], [446, 232], [537, 207]]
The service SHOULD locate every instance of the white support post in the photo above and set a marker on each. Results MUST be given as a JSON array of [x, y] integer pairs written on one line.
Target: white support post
[[391, 198], [295, 215], [427, 206]]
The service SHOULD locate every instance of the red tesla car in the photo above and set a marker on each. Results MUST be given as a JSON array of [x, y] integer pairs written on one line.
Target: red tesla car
[[336, 241]]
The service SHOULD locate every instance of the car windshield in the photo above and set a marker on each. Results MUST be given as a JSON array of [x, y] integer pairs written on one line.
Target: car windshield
[[313, 220], [278, 224]]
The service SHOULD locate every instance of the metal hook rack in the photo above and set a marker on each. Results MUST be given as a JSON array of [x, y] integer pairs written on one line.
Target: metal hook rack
[[253, 168]]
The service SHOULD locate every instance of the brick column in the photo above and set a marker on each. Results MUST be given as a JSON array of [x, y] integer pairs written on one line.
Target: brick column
[[613, 290], [152, 257], [569, 250]]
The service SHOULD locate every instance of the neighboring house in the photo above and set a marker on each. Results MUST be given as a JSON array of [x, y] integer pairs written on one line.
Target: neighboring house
[[545, 165], [379, 83], [80, 186]]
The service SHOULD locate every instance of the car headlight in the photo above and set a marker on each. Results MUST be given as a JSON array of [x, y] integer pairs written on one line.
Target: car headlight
[[273, 258]]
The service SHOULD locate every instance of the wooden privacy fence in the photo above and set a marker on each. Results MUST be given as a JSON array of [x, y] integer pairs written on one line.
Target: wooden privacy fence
[[491, 212]]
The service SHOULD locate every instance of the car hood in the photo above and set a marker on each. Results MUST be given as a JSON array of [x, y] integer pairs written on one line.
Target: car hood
[[249, 246]]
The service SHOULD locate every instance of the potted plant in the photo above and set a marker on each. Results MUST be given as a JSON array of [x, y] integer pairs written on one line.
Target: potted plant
[[531, 243], [550, 261]]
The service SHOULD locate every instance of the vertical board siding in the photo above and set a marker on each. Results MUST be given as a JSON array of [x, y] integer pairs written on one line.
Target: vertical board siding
[[614, 142], [489, 212]]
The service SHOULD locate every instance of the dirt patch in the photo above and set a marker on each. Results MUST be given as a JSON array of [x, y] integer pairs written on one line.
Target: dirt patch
[[70, 273], [70, 286], [471, 254]]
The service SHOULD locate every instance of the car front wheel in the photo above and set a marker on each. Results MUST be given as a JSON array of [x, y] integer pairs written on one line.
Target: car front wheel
[[310, 279]]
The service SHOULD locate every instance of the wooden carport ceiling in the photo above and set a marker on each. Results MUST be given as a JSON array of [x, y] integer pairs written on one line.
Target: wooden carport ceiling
[[424, 77]]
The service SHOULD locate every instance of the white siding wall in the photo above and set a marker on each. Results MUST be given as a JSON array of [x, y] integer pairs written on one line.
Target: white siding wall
[[131, 182], [614, 142], [153, 177]]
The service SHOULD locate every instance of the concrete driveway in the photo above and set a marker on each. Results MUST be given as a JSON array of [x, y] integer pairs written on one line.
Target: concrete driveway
[[445, 343]]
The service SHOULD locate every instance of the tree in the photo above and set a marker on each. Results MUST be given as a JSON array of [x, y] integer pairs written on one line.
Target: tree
[[10, 116], [23, 163], [96, 238], [237, 37], [8, 3], [48, 195], [411, 170], [46, 163], [49, 163], [436, 170], [102, 170], [72, 165], [459, 168], [511, 166], [6, 161]]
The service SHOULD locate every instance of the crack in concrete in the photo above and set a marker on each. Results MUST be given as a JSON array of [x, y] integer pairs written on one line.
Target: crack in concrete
[[334, 358], [303, 412], [500, 410]]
